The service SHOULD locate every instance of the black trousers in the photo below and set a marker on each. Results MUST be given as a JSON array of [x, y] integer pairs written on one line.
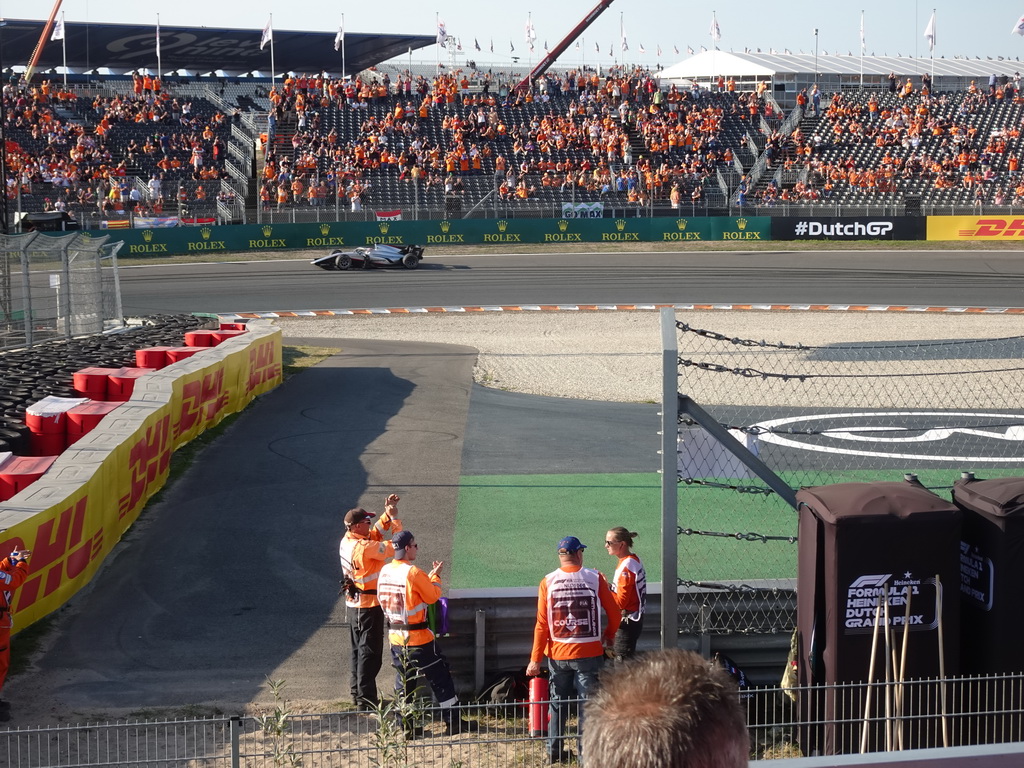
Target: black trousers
[[626, 637], [367, 632]]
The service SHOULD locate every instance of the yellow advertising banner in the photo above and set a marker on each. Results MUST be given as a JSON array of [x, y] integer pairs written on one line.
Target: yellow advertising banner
[[73, 516], [976, 227]]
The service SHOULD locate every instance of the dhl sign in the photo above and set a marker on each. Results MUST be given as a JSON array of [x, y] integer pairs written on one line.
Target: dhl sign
[[975, 228], [70, 539]]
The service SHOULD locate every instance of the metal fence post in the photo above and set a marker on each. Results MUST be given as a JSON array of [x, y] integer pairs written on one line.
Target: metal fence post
[[669, 492], [234, 728], [481, 648]]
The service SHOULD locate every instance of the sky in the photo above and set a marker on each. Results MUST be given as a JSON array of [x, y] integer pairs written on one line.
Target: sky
[[980, 28]]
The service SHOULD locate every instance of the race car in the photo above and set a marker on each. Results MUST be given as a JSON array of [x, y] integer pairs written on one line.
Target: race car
[[408, 256]]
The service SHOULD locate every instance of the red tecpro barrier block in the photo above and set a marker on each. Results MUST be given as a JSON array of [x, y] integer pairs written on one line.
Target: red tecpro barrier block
[[49, 416], [19, 472], [200, 339], [47, 443], [174, 354], [92, 382], [234, 327], [122, 384], [219, 336], [154, 358], [83, 418]]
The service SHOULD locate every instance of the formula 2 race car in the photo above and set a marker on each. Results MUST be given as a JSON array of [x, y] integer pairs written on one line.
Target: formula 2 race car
[[408, 256]]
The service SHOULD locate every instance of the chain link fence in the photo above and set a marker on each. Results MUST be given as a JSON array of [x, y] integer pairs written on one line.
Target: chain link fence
[[57, 288], [819, 413]]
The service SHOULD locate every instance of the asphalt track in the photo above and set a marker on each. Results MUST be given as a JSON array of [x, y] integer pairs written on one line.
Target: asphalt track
[[232, 577], [942, 278]]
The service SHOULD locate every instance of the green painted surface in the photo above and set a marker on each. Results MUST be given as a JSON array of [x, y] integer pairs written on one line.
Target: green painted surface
[[507, 526]]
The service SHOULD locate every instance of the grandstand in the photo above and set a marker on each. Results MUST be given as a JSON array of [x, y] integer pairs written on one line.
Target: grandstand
[[446, 143]]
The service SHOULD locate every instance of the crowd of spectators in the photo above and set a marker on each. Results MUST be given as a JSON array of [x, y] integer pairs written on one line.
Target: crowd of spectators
[[333, 141], [882, 143], [571, 132], [93, 156]]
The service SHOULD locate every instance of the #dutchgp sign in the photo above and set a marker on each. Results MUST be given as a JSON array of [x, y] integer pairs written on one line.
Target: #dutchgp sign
[[582, 210], [848, 228]]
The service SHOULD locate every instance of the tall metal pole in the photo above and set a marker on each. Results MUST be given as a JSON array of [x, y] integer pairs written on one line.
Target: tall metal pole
[[669, 473], [815, 55], [4, 222]]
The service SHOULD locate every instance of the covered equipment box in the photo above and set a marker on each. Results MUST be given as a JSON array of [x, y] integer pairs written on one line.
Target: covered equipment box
[[874, 559], [991, 573]]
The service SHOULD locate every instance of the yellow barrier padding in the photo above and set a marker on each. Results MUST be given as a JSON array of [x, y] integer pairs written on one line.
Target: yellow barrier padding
[[72, 517]]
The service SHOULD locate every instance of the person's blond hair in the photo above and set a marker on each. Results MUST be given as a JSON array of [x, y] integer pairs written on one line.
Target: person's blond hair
[[667, 709]]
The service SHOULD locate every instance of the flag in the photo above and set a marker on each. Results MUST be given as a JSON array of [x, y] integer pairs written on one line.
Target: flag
[[642, 48], [597, 48], [929, 33], [863, 44], [545, 46], [703, 49], [458, 44], [625, 45], [476, 43], [577, 45], [689, 51], [531, 33], [715, 32], [492, 45], [268, 34], [611, 49], [1018, 28], [58, 29], [339, 38], [395, 215], [659, 49], [676, 49], [158, 37], [511, 47], [442, 34]]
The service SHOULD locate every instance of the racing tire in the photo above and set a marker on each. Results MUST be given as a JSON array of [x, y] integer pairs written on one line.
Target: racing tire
[[410, 261], [343, 262]]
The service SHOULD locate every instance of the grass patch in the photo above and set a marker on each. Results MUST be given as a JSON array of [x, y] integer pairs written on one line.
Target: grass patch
[[297, 359]]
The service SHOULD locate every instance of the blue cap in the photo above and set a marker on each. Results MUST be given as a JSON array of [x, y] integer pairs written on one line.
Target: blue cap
[[400, 541], [571, 544]]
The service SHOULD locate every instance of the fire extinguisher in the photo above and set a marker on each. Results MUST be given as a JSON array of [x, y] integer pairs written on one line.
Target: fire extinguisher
[[538, 706]]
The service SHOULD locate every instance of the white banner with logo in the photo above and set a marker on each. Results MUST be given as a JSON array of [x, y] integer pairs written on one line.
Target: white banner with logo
[[582, 210], [389, 215]]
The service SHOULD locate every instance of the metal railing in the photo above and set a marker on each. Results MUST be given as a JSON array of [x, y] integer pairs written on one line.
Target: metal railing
[[848, 719]]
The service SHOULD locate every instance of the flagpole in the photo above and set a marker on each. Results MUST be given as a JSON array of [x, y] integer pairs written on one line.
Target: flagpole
[[159, 66], [273, 77], [932, 47], [64, 49], [862, 50], [343, 46], [437, 51]]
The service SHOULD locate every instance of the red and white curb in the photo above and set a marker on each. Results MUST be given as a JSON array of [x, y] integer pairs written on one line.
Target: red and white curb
[[230, 317]]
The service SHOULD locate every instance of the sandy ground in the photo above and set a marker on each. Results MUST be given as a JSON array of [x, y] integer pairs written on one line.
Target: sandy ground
[[616, 356]]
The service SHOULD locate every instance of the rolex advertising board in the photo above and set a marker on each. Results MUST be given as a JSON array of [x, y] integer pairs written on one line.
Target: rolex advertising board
[[158, 241]]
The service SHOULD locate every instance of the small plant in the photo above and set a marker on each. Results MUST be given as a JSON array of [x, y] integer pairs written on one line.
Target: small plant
[[398, 721], [275, 725]]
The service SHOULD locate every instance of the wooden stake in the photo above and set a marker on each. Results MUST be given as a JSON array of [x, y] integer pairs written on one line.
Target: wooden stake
[[902, 673], [871, 675], [942, 662]]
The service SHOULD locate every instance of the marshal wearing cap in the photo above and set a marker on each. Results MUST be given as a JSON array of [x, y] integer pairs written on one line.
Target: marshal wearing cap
[[571, 544]]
